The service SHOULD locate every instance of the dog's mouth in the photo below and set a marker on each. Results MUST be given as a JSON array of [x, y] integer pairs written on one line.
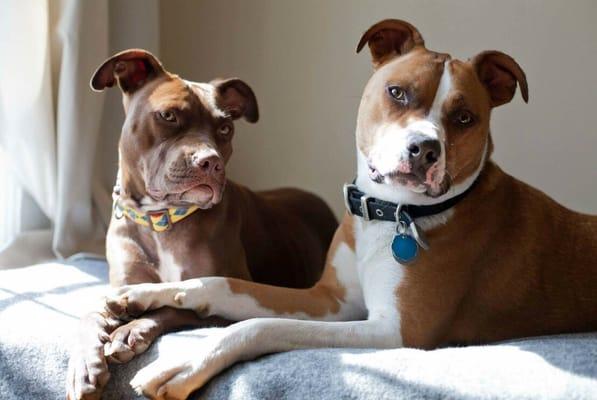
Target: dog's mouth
[[201, 194], [204, 193], [427, 183]]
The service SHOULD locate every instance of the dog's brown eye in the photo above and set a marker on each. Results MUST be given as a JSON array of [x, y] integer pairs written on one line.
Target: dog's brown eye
[[168, 116], [398, 94], [225, 129], [464, 118]]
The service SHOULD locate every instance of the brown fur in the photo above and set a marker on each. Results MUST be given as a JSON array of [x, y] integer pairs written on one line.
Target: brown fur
[[511, 262], [277, 237], [316, 301], [419, 75], [246, 236]]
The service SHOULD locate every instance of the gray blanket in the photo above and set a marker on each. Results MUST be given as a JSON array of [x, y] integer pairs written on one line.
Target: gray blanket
[[40, 306]]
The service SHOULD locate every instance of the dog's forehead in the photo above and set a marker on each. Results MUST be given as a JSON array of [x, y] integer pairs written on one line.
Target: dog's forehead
[[420, 66], [170, 93], [419, 72], [206, 93], [422, 70], [183, 94]]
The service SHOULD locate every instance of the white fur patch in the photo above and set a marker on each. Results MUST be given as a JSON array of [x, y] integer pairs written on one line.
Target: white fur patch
[[169, 269], [344, 262], [379, 273], [443, 90], [208, 93], [434, 116]]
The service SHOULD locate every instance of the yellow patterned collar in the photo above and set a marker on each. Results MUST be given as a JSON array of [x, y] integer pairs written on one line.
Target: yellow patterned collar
[[158, 220]]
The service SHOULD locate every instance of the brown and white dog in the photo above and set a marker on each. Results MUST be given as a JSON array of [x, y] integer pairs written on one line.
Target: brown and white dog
[[503, 259], [177, 218]]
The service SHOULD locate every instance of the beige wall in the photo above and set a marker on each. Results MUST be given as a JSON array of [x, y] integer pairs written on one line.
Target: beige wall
[[299, 56], [133, 23]]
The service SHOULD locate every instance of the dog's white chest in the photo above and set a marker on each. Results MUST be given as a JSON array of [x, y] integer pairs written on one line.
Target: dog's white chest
[[379, 273], [168, 269]]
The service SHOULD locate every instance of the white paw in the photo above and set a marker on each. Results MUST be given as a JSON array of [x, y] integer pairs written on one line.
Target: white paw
[[177, 374], [133, 300]]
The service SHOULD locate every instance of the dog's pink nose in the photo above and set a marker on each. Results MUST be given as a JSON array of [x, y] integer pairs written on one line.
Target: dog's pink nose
[[210, 165]]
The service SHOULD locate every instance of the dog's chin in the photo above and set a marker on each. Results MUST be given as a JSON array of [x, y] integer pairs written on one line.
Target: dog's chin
[[204, 195], [416, 185]]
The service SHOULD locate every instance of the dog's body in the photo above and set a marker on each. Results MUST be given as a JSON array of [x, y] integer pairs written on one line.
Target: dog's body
[[505, 261], [245, 236], [177, 218]]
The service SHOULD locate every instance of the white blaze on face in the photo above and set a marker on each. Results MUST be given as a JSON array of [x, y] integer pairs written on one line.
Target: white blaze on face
[[390, 153], [434, 116]]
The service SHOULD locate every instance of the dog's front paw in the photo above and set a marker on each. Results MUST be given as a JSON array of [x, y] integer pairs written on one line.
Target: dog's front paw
[[177, 376], [87, 367], [131, 339], [87, 375], [134, 300]]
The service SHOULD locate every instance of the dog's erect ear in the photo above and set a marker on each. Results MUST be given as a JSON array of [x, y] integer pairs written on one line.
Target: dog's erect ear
[[390, 38], [500, 73], [236, 98], [131, 69]]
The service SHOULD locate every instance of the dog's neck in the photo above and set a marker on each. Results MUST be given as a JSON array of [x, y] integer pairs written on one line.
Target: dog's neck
[[401, 195]]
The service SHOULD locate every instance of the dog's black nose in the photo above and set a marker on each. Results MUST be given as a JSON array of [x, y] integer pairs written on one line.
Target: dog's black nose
[[423, 151]]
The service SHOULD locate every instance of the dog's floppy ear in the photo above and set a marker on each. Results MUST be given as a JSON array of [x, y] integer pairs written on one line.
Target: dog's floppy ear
[[390, 38], [236, 98], [131, 69], [500, 73]]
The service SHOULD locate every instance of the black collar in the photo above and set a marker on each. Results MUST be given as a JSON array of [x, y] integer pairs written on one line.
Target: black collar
[[370, 208]]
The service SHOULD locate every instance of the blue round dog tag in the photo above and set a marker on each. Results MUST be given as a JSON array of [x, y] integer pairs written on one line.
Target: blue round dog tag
[[404, 248]]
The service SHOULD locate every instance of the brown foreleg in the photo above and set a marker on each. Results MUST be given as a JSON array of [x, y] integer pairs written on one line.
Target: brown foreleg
[[135, 337]]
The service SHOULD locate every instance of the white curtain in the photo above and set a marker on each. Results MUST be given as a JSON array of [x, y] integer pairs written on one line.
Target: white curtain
[[50, 122]]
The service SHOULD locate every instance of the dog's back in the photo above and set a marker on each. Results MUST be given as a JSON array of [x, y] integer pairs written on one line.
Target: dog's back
[[285, 234]]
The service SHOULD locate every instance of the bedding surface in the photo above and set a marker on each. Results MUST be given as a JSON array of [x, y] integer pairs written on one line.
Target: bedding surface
[[40, 307]]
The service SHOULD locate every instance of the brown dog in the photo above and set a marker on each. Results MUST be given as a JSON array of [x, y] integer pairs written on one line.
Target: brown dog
[[501, 260], [176, 217]]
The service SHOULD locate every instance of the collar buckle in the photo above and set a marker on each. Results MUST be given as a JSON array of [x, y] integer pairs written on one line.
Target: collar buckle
[[365, 208]]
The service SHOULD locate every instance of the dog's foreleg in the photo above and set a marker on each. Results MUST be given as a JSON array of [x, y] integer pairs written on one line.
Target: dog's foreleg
[[337, 296], [177, 377]]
